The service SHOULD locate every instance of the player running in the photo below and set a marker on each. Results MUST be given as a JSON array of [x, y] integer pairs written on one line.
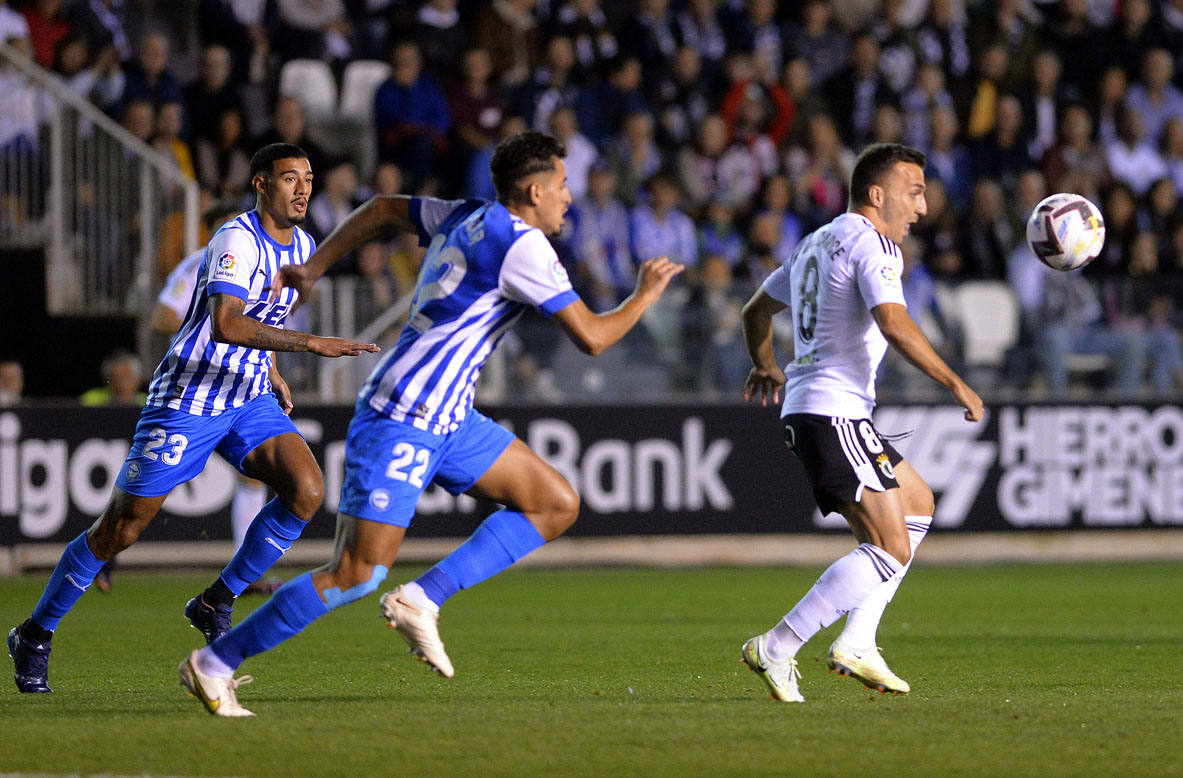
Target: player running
[[842, 287], [216, 390], [414, 422]]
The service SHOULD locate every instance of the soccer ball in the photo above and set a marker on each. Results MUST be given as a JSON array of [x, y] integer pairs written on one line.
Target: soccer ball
[[1066, 231]]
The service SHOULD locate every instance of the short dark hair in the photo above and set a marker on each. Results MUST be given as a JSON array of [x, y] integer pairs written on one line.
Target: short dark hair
[[874, 163], [520, 156], [265, 158]]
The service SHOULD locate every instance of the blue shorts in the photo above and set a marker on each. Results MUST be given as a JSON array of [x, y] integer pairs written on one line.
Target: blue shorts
[[389, 463], [171, 447]]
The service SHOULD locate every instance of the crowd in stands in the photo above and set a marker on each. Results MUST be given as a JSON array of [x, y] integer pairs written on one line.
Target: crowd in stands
[[717, 132]]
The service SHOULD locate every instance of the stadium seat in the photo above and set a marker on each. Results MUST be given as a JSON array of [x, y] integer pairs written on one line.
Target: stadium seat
[[311, 82], [358, 84], [989, 316]]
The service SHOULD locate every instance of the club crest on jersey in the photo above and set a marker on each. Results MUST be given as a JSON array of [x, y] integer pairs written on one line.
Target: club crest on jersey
[[133, 471], [885, 466], [380, 499]]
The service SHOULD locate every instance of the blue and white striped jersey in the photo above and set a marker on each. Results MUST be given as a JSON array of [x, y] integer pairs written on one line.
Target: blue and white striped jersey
[[201, 376], [483, 267]]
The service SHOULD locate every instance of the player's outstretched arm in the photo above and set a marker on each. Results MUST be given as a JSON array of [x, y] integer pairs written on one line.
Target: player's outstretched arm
[[593, 332], [229, 324], [766, 379], [902, 333], [378, 215]]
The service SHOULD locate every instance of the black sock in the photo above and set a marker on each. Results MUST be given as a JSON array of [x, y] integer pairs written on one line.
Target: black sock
[[35, 633], [218, 594]]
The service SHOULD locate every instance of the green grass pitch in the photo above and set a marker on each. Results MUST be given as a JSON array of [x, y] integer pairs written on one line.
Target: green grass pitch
[[1016, 670]]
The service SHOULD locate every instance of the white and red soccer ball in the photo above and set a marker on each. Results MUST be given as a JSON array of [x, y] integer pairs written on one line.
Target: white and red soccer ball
[[1066, 231]]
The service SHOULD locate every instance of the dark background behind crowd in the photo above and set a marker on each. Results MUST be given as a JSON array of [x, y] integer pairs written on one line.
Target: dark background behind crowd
[[715, 132]]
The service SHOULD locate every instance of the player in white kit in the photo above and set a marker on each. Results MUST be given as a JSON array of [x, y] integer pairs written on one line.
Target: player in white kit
[[842, 287]]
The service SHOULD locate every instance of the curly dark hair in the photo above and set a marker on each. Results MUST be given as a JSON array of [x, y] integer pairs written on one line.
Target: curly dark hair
[[875, 161], [519, 156], [265, 158]]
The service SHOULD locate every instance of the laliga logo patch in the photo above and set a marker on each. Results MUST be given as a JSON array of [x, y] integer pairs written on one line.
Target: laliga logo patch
[[227, 261], [133, 471], [885, 466], [888, 273], [558, 271], [380, 499]]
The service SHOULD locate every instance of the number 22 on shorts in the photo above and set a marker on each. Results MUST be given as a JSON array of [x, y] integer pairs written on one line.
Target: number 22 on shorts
[[407, 456]]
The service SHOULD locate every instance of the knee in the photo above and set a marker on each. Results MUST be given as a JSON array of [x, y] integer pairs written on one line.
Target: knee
[[307, 493], [560, 513], [354, 583]]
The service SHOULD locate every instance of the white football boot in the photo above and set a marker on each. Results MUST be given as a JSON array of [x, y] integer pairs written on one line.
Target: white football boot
[[420, 628], [781, 677], [866, 666], [216, 694]]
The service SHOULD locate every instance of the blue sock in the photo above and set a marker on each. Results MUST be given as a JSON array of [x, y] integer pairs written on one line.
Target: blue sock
[[74, 573], [502, 539], [296, 605], [271, 534]]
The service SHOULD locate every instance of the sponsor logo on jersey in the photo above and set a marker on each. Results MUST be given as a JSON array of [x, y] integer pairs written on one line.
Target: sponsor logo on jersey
[[380, 499], [133, 471]]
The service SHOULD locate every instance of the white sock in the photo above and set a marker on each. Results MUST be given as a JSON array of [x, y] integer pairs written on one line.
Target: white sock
[[842, 586], [413, 594], [209, 663], [863, 620], [249, 499]]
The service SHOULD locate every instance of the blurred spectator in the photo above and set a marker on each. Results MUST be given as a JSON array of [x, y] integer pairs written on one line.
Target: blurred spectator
[[820, 171], [290, 126], [718, 235], [12, 383], [139, 118], [46, 25], [223, 164], [918, 102], [817, 41], [1171, 20], [148, 76], [887, 126], [856, 90], [166, 138], [698, 28], [101, 23], [764, 235], [1043, 103], [634, 156], [237, 26], [508, 30], [714, 169], [759, 117], [620, 97], [757, 32], [1160, 210], [440, 36], [600, 238], [991, 79], [552, 86], [581, 152], [336, 196], [1070, 32], [897, 47], [987, 236], [123, 379], [937, 233], [101, 82], [712, 339], [314, 29], [649, 35], [1110, 96], [1154, 96], [477, 110], [943, 40], [1061, 316], [682, 98], [1172, 151], [1075, 155], [776, 200], [1129, 37], [1002, 154], [411, 118], [376, 292], [211, 93], [1131, 157], [593, 35], [807, 102], [1121, 224]]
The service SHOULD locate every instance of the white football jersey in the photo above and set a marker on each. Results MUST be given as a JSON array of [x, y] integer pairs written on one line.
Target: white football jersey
[[832, 280]]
